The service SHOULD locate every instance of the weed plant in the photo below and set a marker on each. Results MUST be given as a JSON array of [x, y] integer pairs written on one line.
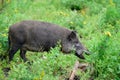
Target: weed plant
[[97, 23]]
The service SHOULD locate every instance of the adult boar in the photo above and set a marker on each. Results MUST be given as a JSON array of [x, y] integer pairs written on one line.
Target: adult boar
[[41, 36]]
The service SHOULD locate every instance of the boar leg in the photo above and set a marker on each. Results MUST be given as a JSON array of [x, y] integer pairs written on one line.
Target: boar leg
[[22, 55], [12, 51]]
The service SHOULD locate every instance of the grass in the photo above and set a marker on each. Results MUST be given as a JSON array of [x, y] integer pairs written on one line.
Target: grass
[[97, 23]]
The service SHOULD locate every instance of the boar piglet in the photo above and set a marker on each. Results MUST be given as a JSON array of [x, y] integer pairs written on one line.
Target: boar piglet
[[37, 36]]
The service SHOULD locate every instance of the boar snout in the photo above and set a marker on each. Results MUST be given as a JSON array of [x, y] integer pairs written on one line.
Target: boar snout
[[80, 56], [79, 53]]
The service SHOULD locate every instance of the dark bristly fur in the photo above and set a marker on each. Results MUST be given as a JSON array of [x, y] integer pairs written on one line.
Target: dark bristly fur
[[41, 36]]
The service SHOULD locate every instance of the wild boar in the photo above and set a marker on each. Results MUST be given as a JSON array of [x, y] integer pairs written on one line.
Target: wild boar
[[41, 36]]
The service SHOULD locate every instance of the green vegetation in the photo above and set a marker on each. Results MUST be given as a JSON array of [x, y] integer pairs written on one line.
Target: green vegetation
[[96, 21]]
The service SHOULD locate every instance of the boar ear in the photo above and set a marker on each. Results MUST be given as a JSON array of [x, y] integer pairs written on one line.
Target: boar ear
[[72, 35]]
